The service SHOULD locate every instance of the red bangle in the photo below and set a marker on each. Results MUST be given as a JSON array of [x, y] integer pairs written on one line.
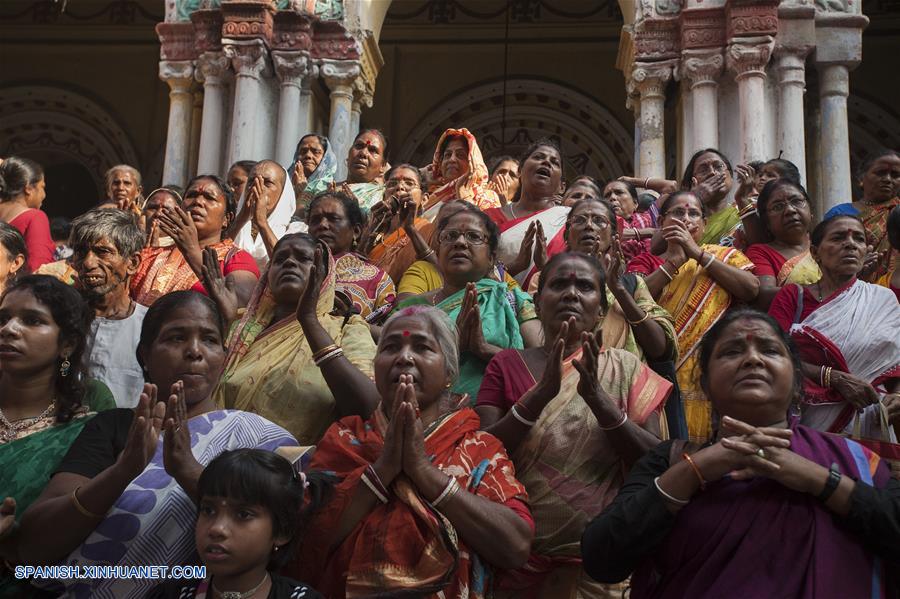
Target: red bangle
[[695, 469]]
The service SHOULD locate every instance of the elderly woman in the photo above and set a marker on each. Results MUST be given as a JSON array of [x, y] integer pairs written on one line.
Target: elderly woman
[[698, 520], [272, 364], [785, 214], [21, 195], [167, 197], [13, 254], [879, 178], [362, 288], [426, 502], [264, 211], [44, 399], [366, 163], [458, 172], [846, 330], [122, 184], [584, 187], [491, 316], [573, 418], [636, 227], [131, 474], [504, 178], [314, 167], [198, 223], [696, 284], [535, 216]]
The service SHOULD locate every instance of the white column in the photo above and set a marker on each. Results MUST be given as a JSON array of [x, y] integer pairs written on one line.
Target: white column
[[747, 59], [702, 70], [791, 67], [213, 71], [179, 75], [339, 75], [634, 102], [834, 87], [355, 111], [685, 127], [650, 81], [249, 60], [196, 120], [292, 68]]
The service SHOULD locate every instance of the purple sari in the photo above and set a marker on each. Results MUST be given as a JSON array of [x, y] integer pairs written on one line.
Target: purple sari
[[757, 538]]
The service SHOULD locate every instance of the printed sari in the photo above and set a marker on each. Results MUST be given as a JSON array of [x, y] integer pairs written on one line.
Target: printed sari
[[721, 226], [404, 548], [152, 522], [696, 302], [369, 288], [874, 218], [856, 331], [571, 470], [471, 187], [366, 194], [503, 310], [269, 369], [512, 234], [637, 220], [619, 334], [885, 281], [396, 252]]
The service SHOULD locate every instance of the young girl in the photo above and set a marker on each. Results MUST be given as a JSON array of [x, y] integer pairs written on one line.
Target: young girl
[[248, 523]]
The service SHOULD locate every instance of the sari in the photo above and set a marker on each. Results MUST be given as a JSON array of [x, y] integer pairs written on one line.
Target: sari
[[855, 330], [874, 218], [396, 251], [152, 522], [503, 311], [767, 261], [721, 226], [722, 544], [423, 276], [269, 368], [568, 465], [248, 237], [369, 288], [404, 547], [885, 281], [366, 194], [512, 234], [319, 180], [60, 270], [637, 220], [471, 187]]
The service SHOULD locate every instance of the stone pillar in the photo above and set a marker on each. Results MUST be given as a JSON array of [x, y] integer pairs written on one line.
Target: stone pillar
[[196, 120], [685, 127], [213, 71], [339, 75], [650, 79], [834, 87], [701, 71], [292, 68], [791, 68], [179, 75], [634, 103], [747, 58], [355, 111], [249, 60]]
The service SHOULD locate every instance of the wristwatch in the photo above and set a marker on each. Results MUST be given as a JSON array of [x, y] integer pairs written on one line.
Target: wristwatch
[[831, 484]]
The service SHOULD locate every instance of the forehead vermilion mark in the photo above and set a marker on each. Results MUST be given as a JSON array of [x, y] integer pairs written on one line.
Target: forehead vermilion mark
[[749, 337], [406, 333]]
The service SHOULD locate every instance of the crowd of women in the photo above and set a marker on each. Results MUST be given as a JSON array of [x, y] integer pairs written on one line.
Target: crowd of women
[[451, 381]]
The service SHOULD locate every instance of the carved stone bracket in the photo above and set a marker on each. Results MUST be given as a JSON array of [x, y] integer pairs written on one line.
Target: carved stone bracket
[[332, 41], [248, 19], [249, 59], [293, 31], [650, 79], [213, 68], [699, 68], [339, 75], [176, 41], [750, 56], [207, 30], [702, 28], [371, 61], [752, 18], [292, 67], [656, 39]]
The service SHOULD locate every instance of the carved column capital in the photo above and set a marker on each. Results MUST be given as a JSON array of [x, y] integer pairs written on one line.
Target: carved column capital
[[650, 79], [340, 75], [213, 68], [292, 67], [750, 56], [700, 68], [179, 74], [249, 59]]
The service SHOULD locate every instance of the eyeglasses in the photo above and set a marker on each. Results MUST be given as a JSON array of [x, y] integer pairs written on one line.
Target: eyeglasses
[[472, 237], [582, 220], [778, 207], [682, 214], [713, 168], [407, 183]]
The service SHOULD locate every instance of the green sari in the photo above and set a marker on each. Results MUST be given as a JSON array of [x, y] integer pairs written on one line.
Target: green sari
[[720, 227], [502, 311]]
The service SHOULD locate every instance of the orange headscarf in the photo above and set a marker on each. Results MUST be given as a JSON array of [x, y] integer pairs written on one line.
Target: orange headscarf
[[470, 187]]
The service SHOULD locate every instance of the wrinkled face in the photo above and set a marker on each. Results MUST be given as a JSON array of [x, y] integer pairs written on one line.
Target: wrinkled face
[[123, 187], [788, 212], [156, 202], [188, 348], [618, 195], [509, 168], [233, 537], [455, 159], [366, 160], [101, 269], [709, 165], [589, 229], [310, 154], [272, 177], [237, 180], [571, 289], [36, 193], [29, 336], [750, 375], [767, 172], [842, 249], [403, 182], [687, 209], [581, 190], [408, 346], [289, 270], [207, 205], [328, 222], [882, 181], [10, 264], [542, 172], [464, 253]]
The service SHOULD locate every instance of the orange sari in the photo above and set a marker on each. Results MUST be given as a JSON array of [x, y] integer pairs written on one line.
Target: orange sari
[[396, 251], [471, 187], [165, 269]]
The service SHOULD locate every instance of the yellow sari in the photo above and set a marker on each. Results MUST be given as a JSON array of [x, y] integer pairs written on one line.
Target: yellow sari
[[697, 302], [269, 369], [801, 270]]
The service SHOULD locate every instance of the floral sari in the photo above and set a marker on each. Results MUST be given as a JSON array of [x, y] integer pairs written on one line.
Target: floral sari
[[874, 218], [164, 269], [269, 369], [396, 252], [366, 194], [471, 187], [404, 548], [369, 288]]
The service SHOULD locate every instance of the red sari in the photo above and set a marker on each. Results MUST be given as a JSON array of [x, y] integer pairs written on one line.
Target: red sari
[[404, 547]]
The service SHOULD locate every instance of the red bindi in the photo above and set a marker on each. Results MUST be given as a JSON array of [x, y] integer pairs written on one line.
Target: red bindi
[[749, 337], [572, 276], [406, 333]]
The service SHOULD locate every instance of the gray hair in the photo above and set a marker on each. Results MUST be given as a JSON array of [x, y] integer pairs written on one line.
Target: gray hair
[[443, 329], [117, 226], [108, 176]]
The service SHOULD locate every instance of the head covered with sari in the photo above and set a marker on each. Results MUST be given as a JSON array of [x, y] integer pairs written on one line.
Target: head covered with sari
[[318, 181], [470, 186], [247, 238]]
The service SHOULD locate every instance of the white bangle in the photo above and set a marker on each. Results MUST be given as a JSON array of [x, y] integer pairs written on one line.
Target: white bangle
[[372, 488], [674, 500], [451, 489], [618, 424], [712, 259], [521, 418]]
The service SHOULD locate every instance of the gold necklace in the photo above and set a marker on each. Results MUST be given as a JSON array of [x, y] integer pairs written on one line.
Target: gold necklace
[[238, 594], [9, 431]]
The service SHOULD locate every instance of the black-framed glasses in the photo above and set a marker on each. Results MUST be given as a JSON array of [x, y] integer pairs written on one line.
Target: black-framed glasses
[[471, 237]]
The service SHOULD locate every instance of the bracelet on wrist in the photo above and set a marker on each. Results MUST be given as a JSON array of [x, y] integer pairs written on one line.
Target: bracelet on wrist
[[831, 483], [687, 457], [618, 424]]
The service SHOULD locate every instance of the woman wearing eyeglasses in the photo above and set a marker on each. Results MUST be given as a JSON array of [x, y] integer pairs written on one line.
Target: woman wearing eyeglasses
[[489, 315], [696, 284], [785, 214]]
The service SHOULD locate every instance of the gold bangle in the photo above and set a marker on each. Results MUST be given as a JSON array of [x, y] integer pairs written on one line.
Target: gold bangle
[[427, 255], [84, 511], [828, 377], [636, 322], [323, 351]]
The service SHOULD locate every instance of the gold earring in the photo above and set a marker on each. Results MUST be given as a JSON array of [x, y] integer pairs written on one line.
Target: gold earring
[[65, 367]]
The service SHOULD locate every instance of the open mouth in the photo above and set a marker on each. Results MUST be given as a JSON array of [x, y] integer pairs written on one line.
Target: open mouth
[[9, 349], [92, 280], [542, 171], [215, 553]]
